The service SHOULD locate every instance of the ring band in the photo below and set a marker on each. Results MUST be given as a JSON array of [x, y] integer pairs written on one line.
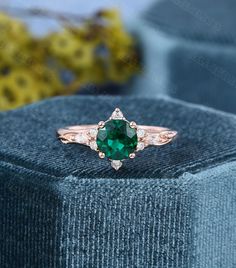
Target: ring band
[[116, 138]]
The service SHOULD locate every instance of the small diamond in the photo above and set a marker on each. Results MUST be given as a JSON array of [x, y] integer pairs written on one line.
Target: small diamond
[[153, 139], [141, 133], [93, 133], [81, 138], [116, 164], [117, 114], [93, 145], [140, 146]]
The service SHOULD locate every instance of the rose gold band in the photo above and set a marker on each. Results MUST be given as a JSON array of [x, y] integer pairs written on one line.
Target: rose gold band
[[77, 134], [86, 135], [146, 135]]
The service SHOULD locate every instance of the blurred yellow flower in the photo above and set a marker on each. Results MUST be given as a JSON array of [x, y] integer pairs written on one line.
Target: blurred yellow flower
[[16, 89], [97, 51]]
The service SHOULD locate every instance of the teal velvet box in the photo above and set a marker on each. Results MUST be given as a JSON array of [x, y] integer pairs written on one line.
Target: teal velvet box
[[172, 206], [189, 51]]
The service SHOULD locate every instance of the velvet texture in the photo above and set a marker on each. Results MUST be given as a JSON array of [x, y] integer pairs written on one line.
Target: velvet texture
[[172, 206], [189, 51]]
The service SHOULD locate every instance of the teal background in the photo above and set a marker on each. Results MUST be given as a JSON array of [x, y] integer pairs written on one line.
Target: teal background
[[170, 207], [62, 206]]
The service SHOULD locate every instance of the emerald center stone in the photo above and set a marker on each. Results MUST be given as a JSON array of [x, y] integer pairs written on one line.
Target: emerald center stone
[[117, 140]]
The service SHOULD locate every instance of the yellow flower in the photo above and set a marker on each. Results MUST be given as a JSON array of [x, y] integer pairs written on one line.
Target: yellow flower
[[81, 56], [13, 54], [17, 89], [13, 29], [18, 31], [97, 51], [71, 50], [48, 81], [62, 44]]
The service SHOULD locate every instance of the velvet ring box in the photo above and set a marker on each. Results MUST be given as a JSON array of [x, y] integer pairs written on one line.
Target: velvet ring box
[[189, 51], [171, 206]]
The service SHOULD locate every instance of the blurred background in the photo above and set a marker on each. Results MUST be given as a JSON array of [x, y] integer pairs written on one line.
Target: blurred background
[[147, 48]]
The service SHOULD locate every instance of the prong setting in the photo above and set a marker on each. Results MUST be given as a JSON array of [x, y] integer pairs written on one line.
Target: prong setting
[[132, 156], [101, 124], [101, 155], [133, 124]]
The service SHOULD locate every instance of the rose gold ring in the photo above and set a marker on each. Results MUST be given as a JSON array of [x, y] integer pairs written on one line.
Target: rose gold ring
[[117, 138]]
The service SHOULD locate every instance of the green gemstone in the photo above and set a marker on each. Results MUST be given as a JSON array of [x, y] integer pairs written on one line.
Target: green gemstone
[[117, 140]]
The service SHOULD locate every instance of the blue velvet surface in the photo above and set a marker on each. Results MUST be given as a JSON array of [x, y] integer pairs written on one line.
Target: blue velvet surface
[[189, 51], [32, 139], [208, 21], [58, 209]]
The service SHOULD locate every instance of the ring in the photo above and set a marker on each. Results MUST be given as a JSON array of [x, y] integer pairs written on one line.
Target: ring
[[117, 138]]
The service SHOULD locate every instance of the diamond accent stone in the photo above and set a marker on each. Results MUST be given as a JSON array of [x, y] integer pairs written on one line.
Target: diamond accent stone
[[82, 138], [93, 145], [117, 114], [93, 133], [153, 139], [116, 164], [161, 138], [140, 146], [140, 133]]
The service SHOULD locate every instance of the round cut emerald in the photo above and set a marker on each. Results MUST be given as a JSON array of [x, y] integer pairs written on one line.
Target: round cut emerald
[[117, 140]]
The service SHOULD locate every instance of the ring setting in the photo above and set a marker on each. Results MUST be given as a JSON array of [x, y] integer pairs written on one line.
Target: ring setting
[[117, 138]]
